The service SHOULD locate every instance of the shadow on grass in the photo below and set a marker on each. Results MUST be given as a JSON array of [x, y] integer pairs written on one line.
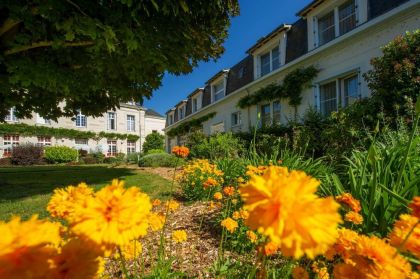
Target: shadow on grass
[[18, 183]]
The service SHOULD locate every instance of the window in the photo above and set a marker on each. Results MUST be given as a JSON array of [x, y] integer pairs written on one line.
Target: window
[[265, 115], [131, 146], [42, 120], [326, 28], [9, 141], [347, 17], [241, 72], [236, 118], [171, 119], [270, 61], [328, 98], [44, 141], [112, 125], [181, 112], [80, 119], [81, 141], [351, 90], [112, 148], [131, 123], [11, 117], [219, 91], [276, 113]]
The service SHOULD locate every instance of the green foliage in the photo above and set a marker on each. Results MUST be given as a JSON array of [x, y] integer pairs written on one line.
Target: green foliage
[[232, 168], [154, 151], [159, 160], [216, 146], [31, 130], [384, 178], [95, 54], [153, 141], [133, 158], [27, 154], [189, 126], [60, 154], [394, 79], [293, 85]]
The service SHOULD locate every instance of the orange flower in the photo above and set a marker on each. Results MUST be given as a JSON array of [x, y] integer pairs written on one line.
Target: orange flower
[[244, 214], [251, 236], [229, 191], [181, 151], [230, 224], [210, 182], [218, 196], [415, 207], [270, 248], [156, 202], [348, 200], [402, 228], [299, 273], [236, 215], [354, 217]]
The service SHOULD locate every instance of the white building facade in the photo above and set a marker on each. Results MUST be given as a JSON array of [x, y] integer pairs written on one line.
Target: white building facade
[[130, 119], [338, 37]]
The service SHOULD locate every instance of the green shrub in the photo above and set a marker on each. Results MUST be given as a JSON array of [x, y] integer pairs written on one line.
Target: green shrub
[[89, 159], [60, 154], [216, 146], [133, 158], [118, 159], [153, 141], [27, 154], [154, 151], [159, 160]]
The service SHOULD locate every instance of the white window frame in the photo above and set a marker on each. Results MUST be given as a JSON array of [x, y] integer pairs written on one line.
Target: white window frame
[[238, 117], [131, 146], [108, 120], [269, 114], [81, 141], [82, 119], [181, 112], [270, 53], [171, 119], [11, 117], [112, 148], [275, 120], [44, 141], [9, 141], [198, 99], [131, 123], [221, 82]]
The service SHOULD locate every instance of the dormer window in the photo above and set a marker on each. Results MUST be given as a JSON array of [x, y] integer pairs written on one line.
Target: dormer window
[[270, 61], [218, 90], [196, 102], [171, 118], [339, 21], [181, 112]]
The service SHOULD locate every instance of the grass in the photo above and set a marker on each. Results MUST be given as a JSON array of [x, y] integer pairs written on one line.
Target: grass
[[25, 191]]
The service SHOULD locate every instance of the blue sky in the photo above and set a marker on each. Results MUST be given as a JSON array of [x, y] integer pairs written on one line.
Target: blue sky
[[257, 18]]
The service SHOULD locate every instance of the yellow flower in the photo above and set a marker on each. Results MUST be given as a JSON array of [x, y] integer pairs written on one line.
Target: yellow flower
[[156, 221], [27, 247], [323, 273], [244, 214], [415, 207], [230, 224], [234, 201], [399, 234], [236, 215], [353, 217], [229, 191], [179, 236], [299, 273], [114, 216], [283, 205], [156, 202], [348, 200], [76, 260], [210, 182], [218, 196], [240, 180], [345, 244], [172, 205], [251, 236], [63, 200], [131, 250]]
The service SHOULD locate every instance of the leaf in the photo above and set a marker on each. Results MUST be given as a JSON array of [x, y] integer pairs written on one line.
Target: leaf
[[418, 105]]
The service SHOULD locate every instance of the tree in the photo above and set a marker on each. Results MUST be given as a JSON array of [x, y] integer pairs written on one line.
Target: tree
[[153, 141], [92, 55], [395, 77]]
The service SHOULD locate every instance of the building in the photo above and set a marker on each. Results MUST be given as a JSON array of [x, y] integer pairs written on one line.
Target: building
[[120, 131], [338, 37]]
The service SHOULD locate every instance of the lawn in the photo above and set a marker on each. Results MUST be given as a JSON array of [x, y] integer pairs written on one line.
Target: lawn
[[26, 190]]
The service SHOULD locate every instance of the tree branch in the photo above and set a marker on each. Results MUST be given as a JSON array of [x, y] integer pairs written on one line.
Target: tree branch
[[46, 44], [8, 25]]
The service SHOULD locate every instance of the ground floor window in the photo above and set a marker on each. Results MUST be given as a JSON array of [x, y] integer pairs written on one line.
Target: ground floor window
[[265, 115], [328, 98], [276, 113], [112, 148], [81, 141], [44, 141], [8, 142], [131, 146], [236, 118]]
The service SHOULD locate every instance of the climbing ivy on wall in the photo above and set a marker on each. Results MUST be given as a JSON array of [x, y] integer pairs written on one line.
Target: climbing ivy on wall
[[188, 126], [291, 88], [29, 130]]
